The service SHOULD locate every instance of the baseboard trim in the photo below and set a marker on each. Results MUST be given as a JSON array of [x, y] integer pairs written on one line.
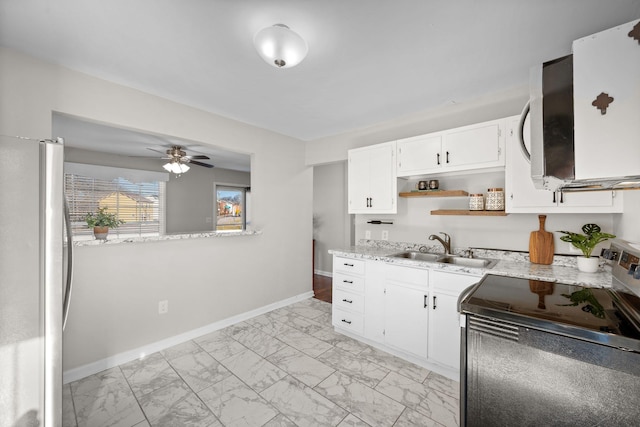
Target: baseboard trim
[[323, 273], [127, 356]]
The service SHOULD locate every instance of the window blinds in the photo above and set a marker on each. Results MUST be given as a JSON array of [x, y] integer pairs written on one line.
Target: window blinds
[[137, 199]]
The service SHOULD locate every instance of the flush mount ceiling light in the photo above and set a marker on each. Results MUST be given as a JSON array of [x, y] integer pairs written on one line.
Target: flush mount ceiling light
[[280, 46], [176, 167]]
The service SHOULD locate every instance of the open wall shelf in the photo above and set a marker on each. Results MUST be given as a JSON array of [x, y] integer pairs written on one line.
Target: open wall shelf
[[435, 193], [468, 213]]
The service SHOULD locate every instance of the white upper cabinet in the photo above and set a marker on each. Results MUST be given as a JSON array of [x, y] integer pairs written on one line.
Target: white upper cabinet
[[471, 147], [606, 66], [419, 154], [522, 197], [372, 184]]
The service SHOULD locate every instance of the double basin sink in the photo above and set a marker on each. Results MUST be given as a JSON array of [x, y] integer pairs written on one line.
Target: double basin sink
[[446, 259]]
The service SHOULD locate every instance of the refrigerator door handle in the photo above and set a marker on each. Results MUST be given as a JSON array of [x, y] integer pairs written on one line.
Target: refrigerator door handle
[[69, 280]]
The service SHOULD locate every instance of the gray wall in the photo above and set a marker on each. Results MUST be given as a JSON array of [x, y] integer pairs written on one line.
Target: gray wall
[[117, 287], [332, 225], [190, 198]]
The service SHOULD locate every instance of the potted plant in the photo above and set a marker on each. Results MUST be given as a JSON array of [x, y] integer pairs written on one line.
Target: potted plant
[[586, 243], [101, 221]]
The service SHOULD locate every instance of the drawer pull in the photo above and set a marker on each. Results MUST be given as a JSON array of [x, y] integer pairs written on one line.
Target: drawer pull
[[348, 265], [348, 322], [346, 300], [347, 281]]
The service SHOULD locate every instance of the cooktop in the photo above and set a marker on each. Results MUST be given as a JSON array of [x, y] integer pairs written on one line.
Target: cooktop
[[593, 314]]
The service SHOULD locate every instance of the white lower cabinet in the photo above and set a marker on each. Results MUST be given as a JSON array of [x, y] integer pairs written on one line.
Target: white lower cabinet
[[348, 294], [444, 319], [406, 313], [411, 312]]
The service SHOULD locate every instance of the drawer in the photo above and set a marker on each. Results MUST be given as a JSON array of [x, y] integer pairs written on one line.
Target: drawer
[[348, 321], [348, 283], [348, 301], [349, 265]]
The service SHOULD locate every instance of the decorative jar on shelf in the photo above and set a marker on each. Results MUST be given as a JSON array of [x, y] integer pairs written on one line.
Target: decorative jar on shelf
[[476, 202], [495, 199]]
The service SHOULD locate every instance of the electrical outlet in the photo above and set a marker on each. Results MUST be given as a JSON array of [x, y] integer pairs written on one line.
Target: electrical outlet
[[385, 234], [163, 307], [367, 234]]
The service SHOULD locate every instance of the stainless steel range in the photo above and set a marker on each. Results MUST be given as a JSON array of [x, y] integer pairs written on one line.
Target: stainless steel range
[[546, 353]]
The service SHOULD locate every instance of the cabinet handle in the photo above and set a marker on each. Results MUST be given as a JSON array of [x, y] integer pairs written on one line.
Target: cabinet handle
[[447, 157], [434, 302], [562, 197], [370, 202], [348, 322], [348, 281], [348, 265], [425, 301], [438, 158], [346, 300], [554, 197]]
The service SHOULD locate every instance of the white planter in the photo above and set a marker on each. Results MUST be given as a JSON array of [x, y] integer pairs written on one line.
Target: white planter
[[588, 265]]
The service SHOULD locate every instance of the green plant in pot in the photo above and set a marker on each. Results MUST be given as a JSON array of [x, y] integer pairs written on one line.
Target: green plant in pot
[[586, 243], [101, 221]]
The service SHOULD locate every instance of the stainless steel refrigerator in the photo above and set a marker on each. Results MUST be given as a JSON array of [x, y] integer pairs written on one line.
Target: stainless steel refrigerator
[[32, 281]]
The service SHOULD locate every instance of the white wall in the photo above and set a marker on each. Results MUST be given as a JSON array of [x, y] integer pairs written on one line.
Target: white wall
[[332, 223], [117, 287]]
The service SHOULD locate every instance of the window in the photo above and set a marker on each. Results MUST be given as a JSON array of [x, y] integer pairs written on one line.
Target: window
[[231, 207], [135, 197]]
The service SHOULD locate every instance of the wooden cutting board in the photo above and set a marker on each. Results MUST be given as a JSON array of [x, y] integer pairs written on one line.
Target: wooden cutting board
[[541, 244]]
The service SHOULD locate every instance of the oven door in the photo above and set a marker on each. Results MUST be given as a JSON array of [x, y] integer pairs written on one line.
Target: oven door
[[520, 376]]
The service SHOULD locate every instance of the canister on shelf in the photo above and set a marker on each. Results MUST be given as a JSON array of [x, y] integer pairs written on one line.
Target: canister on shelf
[[476, 202], [495, 199]]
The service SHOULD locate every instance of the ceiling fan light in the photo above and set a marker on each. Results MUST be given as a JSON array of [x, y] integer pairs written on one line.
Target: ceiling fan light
[[167, 167], [280, 46]]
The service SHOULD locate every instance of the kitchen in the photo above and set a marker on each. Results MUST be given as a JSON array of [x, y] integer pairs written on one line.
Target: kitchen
[[100, 326]]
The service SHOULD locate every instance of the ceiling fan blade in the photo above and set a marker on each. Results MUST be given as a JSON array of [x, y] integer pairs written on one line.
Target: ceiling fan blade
[[199, 157], [206, 165]]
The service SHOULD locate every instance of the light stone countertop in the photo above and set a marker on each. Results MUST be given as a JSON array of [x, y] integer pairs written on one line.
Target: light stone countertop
[[510, 263], [211, 234]]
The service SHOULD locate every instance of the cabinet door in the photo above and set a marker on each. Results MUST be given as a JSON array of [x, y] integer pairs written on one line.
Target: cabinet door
[[523, 197], [358, 181], [444, 335], [606, 145], [382, 179], [419, 155], [444, 320], [477, 146], [406, 315]]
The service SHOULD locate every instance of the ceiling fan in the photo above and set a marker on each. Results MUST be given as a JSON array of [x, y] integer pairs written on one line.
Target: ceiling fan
[[178, 159]]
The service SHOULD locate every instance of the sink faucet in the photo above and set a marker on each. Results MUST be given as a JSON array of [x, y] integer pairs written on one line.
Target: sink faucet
[[446, 243]]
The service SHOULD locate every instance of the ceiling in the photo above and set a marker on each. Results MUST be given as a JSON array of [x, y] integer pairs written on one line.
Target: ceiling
[[93, 136], [369, 61]]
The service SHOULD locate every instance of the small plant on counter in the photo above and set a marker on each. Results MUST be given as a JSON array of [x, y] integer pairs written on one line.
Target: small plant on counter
[[102, 219], [586, 242]]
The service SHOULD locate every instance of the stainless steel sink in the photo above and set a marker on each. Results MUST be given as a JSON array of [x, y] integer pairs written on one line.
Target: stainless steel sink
[[468, 262], [446, 259], [419, 256]]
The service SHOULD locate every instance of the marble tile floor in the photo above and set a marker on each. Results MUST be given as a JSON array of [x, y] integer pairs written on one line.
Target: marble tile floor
[[283, 368]]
